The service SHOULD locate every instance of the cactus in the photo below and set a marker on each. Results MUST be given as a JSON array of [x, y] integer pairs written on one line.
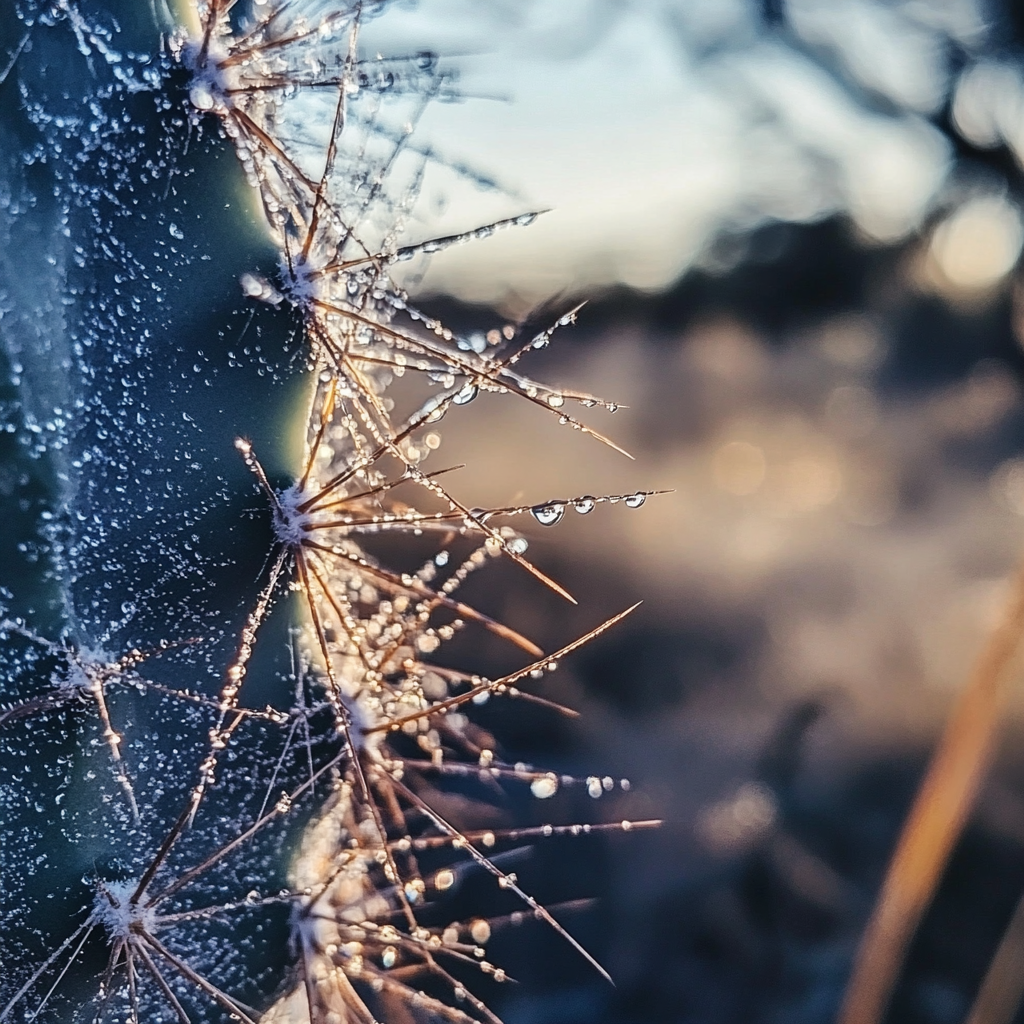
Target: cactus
[[219, 809]]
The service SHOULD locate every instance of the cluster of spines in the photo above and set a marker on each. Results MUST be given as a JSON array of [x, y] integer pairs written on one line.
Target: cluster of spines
[[371, 631]]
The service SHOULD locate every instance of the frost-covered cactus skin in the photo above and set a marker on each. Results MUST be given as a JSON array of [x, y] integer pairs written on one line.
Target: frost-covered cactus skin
[[251, 821]]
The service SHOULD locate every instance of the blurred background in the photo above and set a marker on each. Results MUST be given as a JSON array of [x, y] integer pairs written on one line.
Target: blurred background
[[797, 225]]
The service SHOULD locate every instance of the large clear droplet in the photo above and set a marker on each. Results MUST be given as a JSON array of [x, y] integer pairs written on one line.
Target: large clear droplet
[[585, 504], [466, 395], [548, 515], [636, 500]]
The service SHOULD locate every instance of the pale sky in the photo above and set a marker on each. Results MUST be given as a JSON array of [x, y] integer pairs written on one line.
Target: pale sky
[[646, 127]]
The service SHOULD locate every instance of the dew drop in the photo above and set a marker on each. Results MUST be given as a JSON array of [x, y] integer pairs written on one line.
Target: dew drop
[[466, 395], [545, 787], [435, 410], [427, 643], [548, 515], [585, 505], [636, 500], [201, 97]]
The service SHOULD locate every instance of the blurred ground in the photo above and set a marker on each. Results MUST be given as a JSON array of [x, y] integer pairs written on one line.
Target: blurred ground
[[843, 437]]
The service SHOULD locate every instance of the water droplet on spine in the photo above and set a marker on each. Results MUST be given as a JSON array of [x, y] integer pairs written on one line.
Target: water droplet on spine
[[548, 515], [544, 787]]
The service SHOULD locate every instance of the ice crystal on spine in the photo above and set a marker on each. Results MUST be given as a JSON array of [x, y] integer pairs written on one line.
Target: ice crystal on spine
[[291, 524], [119, 911]]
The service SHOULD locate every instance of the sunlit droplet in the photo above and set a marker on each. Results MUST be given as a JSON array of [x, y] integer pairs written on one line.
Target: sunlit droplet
[[544, 787]]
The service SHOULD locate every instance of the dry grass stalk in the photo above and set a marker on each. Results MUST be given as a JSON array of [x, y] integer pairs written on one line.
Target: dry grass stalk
[[936, 819]]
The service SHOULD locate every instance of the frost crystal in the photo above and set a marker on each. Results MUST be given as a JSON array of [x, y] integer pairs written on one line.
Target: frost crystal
[[119, 913], [291, 524]]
